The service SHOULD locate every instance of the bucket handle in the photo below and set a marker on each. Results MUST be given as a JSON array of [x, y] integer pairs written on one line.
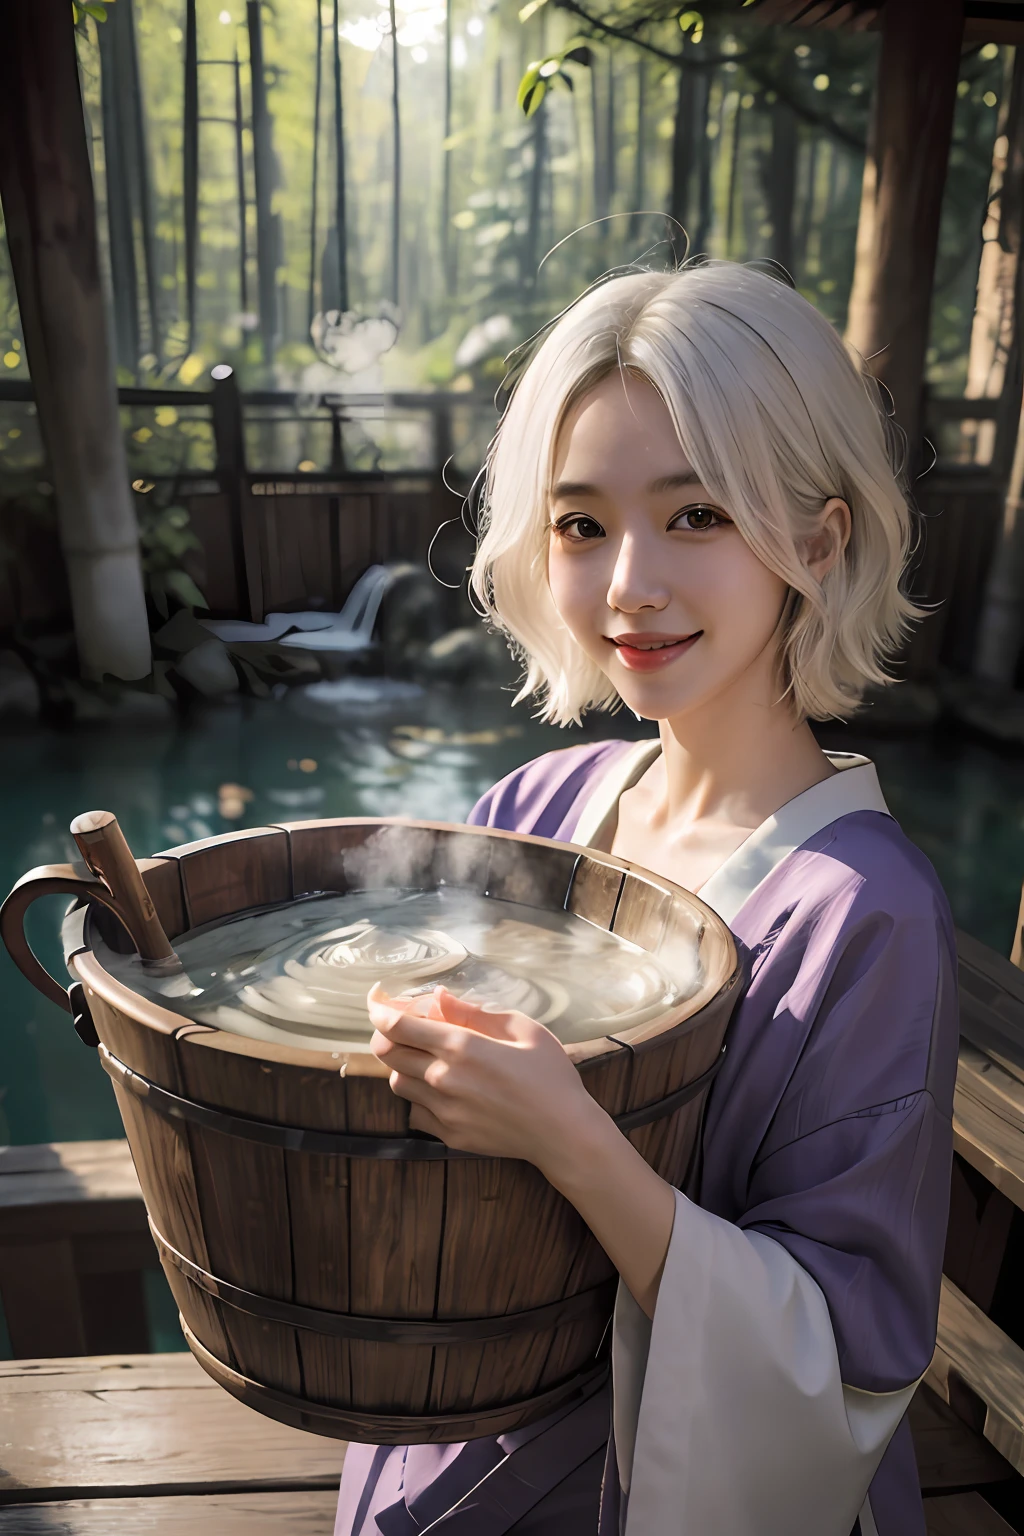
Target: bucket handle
[[114, 881], [46, 880]]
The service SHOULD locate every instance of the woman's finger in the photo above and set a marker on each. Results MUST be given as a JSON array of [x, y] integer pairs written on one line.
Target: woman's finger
[[401, 1058], [436, 1036], [470, 1015]]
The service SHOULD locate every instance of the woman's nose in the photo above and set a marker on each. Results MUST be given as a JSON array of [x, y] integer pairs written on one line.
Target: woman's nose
[[637, 581]]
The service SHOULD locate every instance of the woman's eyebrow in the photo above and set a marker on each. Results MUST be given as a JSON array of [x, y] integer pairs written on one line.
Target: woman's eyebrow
[[674, 482], [563, 489]]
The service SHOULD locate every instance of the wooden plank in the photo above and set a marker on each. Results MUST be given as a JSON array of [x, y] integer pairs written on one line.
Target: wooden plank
[[61, 1172], [979, 1372], [991, 1002], [987, 1131], [960, 1514], [949, 1454], [128, 1425], [219, 1514]]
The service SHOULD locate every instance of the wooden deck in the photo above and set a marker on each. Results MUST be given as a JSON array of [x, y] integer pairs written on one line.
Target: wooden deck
[[128, 1444]]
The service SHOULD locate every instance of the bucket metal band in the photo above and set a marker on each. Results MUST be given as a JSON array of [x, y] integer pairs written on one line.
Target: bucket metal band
[[414, 1145], [595, 1303]]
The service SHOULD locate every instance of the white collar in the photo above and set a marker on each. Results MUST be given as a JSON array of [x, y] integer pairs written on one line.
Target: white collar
[[854, 788]]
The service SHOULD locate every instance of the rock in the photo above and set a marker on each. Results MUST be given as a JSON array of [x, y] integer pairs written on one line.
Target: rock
[[208, 669], [414, 611], [108, 704], [182, 633], [469, 655], [19, 691]]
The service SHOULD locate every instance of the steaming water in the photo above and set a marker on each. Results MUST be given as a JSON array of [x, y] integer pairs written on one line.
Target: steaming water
[[300, 973]]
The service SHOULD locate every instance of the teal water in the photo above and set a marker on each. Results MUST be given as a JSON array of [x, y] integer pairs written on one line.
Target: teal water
[[431, 756]]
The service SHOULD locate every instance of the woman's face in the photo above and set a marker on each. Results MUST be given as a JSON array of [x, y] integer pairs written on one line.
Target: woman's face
[[649, 574]]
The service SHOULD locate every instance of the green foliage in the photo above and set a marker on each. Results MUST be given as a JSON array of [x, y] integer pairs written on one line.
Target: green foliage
[[543, 73], [82, 10], [166, 538]]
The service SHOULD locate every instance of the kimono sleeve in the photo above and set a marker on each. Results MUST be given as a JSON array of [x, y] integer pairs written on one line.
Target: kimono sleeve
[[787, 1342]]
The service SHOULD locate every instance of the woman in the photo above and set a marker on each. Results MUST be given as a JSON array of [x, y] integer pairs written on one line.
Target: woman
[[692, 507]]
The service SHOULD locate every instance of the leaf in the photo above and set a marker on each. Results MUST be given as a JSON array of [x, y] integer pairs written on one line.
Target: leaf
[[534, 97], [579, 55], [96, 9], [530, 8], [528, 84], [180, 583]]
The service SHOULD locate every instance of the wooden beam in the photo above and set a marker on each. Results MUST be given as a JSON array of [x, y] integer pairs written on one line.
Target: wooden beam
[[144, 1425], [50, 218], [979, 1372], [901, 201], [948, 1453], [216, 1514], [958, 1514]]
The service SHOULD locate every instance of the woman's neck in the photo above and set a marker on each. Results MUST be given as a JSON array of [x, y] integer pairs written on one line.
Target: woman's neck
[[733, 762]]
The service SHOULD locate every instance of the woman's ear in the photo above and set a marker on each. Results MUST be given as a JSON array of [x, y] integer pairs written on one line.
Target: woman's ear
[[823, 549]]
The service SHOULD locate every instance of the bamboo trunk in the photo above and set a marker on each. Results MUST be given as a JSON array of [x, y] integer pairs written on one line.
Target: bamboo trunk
[[50, 216], [904, 178], [190, 166], [340, 203], [781, 188], [263, 174], [311, 305], [995, 364], [682, 157], [124, 279], [396, 164]]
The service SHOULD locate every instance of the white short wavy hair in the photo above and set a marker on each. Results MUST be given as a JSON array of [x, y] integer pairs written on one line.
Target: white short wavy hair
[[773, 413]]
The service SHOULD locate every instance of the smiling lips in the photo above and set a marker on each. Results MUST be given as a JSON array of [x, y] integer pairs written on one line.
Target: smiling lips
[[649, 652]]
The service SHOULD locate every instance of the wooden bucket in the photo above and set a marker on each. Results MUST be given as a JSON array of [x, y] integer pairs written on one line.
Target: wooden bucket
[[332, 1269]]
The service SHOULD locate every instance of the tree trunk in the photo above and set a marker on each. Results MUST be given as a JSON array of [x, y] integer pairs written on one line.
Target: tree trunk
[[734, 166], [138, 161], [639, 191], [682, 160], [311, 304], [243, 221], [263, 175], [124, 281], [447, 271], [190, 167], [781, 187], [50, 215], [340, 186], [396, 165], [901, 201], [705, 201], [995, 365]]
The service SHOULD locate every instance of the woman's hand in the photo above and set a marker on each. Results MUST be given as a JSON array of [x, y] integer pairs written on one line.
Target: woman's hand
[[501, 1085], [496, 1083]]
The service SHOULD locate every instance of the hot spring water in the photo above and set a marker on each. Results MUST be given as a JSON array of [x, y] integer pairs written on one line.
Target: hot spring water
[[299, 973]]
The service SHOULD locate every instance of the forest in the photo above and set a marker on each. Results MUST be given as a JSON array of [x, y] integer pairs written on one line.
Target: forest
[[350, 196]]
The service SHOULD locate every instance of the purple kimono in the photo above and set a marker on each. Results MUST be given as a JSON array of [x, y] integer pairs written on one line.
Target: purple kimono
[[798, 1305]]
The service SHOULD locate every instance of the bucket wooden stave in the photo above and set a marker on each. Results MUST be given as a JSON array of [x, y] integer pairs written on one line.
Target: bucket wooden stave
[[420, 1295]]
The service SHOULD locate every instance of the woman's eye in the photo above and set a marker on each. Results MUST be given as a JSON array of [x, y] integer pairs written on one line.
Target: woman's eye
[[698, 518], [579, 528]]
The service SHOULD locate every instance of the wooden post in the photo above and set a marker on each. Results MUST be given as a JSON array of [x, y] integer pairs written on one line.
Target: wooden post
[[229, 437], [904, 177], [50, 215]]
